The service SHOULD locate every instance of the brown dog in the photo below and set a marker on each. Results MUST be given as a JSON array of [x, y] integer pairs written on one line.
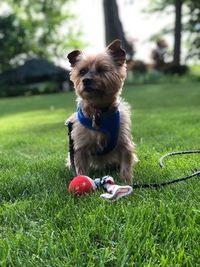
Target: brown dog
[[102, 125]]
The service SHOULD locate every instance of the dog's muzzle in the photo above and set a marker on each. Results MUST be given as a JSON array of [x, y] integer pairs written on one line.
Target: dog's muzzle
[[88, 84]]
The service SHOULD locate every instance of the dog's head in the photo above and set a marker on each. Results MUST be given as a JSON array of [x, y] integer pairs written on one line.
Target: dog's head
[[99, 78]]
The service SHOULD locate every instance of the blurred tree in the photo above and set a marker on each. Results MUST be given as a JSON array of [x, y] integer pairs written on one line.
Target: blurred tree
[[191, 24], [113, 27], [35, 28], [12, 43], [177, 32], [193, 28]]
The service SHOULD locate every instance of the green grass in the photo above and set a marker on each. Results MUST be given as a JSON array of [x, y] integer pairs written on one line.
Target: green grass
[[42, 225]]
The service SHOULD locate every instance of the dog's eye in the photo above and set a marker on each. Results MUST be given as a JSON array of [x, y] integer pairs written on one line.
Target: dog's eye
[[83, 71], [101, 70]]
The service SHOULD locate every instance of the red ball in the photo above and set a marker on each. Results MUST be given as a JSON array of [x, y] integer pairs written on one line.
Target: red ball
[[81, 185]]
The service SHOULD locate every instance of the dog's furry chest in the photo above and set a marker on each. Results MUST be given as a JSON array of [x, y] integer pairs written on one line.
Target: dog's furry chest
[[94, 141], [90, 139]]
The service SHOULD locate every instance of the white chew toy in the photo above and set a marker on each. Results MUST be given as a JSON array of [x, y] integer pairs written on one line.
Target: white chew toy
[[114, 192]]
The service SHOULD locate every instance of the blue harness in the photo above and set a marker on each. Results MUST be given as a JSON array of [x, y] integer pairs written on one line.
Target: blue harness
[[107, 124]]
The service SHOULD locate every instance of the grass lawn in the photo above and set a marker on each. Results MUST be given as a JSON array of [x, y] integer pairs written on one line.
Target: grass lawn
[[42, 225]]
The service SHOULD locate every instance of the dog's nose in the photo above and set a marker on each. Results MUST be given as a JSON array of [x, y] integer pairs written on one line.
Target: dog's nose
[[87, 81]]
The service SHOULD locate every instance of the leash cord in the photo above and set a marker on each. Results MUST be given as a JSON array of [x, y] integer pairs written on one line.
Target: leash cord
[[148, 185], [71, 148], [176, 153], [157, 185]]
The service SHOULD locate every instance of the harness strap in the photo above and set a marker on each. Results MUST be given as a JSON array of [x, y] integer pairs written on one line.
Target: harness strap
[[108, 124]]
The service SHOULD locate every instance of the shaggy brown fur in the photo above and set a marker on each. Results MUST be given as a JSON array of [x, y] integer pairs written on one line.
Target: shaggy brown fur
[[98, 81]]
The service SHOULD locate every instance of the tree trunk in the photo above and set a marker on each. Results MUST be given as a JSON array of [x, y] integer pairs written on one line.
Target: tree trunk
[[113, 26], [177, 32]]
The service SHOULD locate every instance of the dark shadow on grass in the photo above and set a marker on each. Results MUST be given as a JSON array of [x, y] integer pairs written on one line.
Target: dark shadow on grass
[[9, 106], [46, 128]]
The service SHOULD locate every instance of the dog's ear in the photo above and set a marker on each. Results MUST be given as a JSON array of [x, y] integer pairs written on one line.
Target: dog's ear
[[74, 57], [116, 51]]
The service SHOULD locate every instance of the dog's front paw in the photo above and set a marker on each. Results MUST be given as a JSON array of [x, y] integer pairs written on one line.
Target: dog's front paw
[[127, 177]]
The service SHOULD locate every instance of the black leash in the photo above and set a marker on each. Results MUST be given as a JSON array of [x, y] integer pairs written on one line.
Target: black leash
[[71, 148], [176, 153], [157, 185], [148, 185]]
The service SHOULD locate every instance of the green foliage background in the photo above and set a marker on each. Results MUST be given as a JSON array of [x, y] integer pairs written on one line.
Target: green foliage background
[[42, 28]]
